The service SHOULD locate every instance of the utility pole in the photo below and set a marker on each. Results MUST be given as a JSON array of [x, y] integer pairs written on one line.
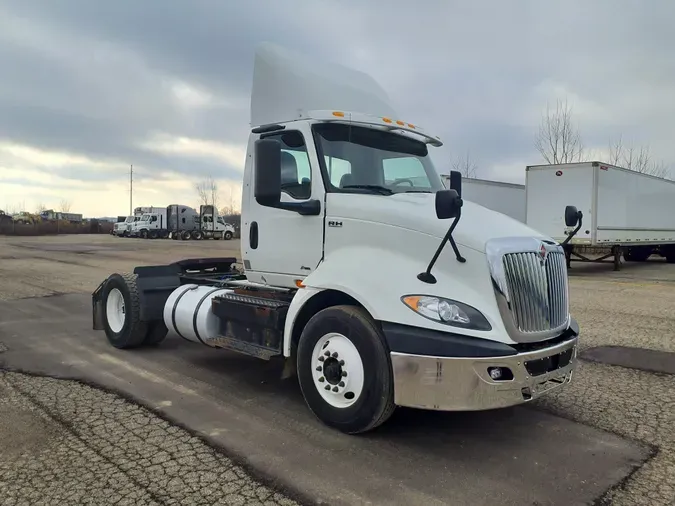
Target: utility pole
[[131, 190]]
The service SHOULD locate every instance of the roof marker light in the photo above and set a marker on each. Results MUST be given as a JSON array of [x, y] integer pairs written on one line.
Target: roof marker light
[[387, 120], [339, 114]]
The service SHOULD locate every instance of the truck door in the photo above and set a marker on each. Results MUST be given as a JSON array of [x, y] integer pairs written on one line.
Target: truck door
[[281, 246]]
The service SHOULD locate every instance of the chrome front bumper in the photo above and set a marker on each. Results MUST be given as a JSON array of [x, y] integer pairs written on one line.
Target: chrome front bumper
[[464, 384]]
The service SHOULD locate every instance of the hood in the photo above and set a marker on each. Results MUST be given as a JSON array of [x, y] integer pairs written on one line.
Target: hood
[[417, 211]]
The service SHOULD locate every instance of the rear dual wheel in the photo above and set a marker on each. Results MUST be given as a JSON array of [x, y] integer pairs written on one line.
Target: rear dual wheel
[[121, 315], [344, 370]]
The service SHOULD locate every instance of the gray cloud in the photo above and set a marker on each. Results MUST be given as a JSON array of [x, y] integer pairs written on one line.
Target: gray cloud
[[93, 78]]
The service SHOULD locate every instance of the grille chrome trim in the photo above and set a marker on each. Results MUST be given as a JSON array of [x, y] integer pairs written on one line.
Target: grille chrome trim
[[530, 280]]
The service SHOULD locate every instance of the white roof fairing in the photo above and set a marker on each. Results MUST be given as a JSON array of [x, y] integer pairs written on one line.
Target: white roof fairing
[[287, 85]]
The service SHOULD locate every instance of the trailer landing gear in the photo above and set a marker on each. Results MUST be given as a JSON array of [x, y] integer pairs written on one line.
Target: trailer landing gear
[[613, 256]]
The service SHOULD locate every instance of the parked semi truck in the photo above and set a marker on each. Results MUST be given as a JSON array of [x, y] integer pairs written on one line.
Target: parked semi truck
[[625, 213], [505, 198], [374, 283], [122, 228], [183, 222]]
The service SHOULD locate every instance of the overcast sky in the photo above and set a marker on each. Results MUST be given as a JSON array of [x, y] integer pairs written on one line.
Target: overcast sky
[[88, 87]]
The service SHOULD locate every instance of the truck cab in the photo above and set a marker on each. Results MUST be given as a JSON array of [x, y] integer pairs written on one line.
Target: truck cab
[[377, 286], [150, 224], [212, 225], [121, 229]]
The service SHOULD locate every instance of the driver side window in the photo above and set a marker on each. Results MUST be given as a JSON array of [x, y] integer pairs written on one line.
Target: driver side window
[[296, 173]]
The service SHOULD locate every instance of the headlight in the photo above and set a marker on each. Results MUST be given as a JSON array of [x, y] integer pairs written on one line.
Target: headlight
[[449, 312]]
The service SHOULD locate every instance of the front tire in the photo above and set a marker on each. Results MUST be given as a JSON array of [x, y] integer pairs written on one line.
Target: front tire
[[344, 370], [228, 235]]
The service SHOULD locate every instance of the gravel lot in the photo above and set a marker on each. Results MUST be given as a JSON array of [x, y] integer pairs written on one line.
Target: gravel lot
[[67, 443], [38, 266], [58, 429]]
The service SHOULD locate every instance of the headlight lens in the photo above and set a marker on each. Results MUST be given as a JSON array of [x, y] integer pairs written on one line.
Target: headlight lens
[[449, 312]]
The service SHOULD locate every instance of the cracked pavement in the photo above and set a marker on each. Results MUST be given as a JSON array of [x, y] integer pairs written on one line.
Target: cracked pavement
[[68, 443]]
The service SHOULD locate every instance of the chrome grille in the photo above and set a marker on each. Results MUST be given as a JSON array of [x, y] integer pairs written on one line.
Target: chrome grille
[[537, 291]]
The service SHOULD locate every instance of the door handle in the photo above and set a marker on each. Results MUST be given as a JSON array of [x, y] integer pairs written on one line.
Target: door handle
[[253, 235]]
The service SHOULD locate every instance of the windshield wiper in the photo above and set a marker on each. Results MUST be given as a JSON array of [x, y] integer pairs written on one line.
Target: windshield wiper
[[376, 188], [417, 191]]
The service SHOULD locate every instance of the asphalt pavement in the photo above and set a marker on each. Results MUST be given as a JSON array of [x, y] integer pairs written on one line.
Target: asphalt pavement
[[514, 456]]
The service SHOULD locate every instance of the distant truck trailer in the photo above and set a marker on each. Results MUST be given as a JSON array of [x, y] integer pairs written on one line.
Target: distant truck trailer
[[625, 213], [505, 198], [51, 215]]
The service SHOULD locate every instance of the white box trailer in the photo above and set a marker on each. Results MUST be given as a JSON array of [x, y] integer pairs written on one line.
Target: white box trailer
[[505, 198], [624, 211]]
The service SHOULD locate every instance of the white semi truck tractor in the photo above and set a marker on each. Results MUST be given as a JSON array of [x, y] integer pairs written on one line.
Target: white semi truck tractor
[[376, 285]]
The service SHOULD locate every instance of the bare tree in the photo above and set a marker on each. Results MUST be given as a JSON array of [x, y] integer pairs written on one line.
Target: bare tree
[[65, 206], [465, 165], [231, 206], [638, 159], [558, 139], [207, 191], [40, 207]]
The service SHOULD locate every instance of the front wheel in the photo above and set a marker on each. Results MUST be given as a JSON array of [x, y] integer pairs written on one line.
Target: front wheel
[[228, 235], [344, 370]]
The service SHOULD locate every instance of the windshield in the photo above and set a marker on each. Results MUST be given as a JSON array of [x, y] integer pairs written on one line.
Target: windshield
[[369, 160], [145, 217], [130, 219]]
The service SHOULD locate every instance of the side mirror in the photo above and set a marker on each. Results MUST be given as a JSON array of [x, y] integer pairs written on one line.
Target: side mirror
[[267, 183], [572, 216], [456, 182], [448, 204]]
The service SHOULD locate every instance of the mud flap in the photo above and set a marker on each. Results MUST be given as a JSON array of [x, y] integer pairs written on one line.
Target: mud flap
[[97, 307]]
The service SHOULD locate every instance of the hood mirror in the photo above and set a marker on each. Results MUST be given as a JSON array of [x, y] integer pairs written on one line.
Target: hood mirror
[[448, 204], [572, 216]]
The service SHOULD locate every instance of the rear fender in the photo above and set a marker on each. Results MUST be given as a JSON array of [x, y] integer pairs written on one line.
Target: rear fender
[[97, 306], [156, 282]]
